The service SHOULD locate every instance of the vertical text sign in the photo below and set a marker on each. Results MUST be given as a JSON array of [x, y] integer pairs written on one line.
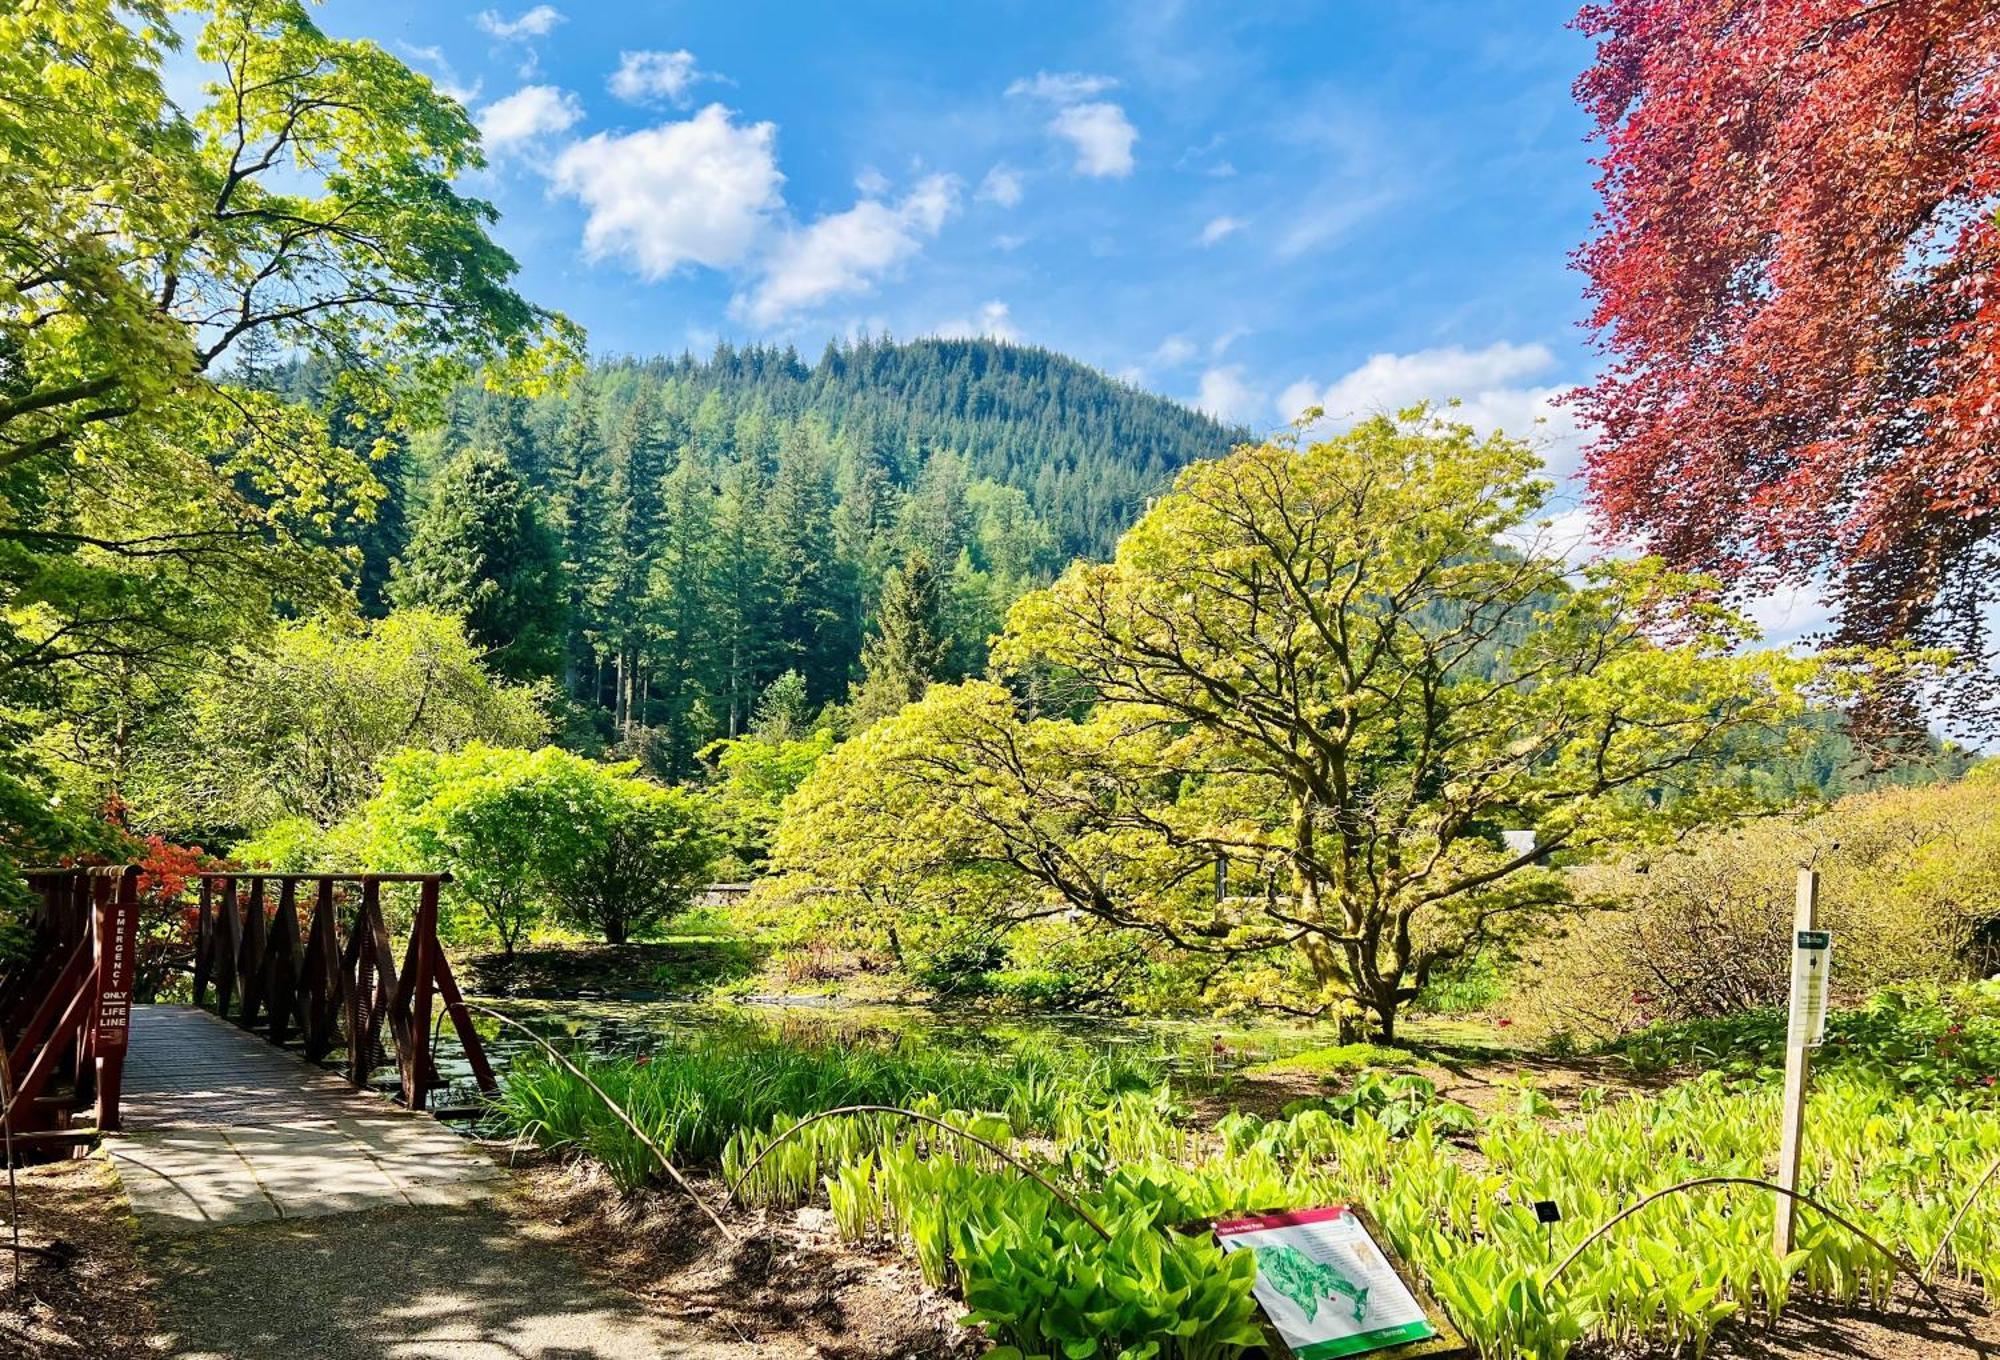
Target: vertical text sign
[[117, 943]]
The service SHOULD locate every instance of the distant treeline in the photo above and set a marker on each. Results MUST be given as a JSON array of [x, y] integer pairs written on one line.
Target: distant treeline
[[669, 536]]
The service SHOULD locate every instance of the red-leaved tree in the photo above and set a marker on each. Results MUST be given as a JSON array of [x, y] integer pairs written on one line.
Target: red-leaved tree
[[1794, 276]]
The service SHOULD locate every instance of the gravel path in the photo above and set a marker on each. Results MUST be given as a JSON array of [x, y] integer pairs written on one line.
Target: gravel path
[[468, 1282], [285, 1216]]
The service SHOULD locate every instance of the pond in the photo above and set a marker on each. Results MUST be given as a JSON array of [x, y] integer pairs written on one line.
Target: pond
[[630, 1028]]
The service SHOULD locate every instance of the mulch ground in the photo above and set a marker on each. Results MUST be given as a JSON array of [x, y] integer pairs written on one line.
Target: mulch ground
[[787, 1285], [97, 1304], [1911, 1329]]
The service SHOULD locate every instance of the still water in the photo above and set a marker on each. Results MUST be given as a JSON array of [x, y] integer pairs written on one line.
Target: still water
[[630, 1028]]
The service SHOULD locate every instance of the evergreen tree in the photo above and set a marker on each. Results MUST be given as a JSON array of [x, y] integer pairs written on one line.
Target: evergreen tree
[[639, 461], [683, 601], [815, 584], [577, 514], [909, 649], [482, 552], [745, 603], [723, 519]]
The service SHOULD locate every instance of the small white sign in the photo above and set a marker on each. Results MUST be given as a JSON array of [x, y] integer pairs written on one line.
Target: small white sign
[[1812, 964], [1324, 1284]]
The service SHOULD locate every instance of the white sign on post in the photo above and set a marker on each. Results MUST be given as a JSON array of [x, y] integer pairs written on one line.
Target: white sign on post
[[1812, 957], [1812, 962]]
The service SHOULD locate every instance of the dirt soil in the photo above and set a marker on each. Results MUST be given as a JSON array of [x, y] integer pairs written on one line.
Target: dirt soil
[[1911, 1329], [788, 1285], [94, 1306]]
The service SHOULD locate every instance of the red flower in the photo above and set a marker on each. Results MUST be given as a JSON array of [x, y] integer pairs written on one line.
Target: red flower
[[1504, 1021]]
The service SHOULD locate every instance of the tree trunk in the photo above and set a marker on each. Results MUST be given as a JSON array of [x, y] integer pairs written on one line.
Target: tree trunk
[[1385, 1022], [614, 930]]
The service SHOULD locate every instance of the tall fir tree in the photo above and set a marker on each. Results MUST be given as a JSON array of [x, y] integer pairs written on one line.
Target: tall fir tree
[[640, 455], [577, 512], [481, 551], [909, 647], [815, 585], [746, 604], [683, 600]]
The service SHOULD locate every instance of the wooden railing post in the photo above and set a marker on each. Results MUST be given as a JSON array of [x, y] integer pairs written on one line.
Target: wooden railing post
[[424, 938], [117, 931], [229, 941], [250, 962], [204, 939], [281, 969], [365, 1005], [323, 993]]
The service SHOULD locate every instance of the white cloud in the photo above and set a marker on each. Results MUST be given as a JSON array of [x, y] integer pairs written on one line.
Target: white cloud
[[994, 322], [1002, 185], [446, 80], [1220, 228], [643, 77], [701, 191], [1227, 396], [844, 253], [538, 22], [1493, 386], [1102, 136], [1061, 87], [531, 112], [1337, 214], [1174, 351]]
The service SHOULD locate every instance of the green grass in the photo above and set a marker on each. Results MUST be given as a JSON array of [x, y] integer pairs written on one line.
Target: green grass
[[692, 1096], [1901, 1125], [1340, 1058]]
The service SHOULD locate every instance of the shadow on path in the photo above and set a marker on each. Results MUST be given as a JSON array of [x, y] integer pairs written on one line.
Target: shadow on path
[[463, 1282]]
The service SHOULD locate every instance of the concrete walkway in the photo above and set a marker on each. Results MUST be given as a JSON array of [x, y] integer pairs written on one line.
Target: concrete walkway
[[287, 1215], [223, 1128]]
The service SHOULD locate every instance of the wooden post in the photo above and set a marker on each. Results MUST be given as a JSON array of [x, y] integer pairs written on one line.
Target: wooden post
[[424, 942], [117, 961], [361, 1013], [204, 939], [1798, 1065]]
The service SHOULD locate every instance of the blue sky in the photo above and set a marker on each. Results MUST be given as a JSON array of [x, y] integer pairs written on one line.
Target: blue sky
[[1245, 206]]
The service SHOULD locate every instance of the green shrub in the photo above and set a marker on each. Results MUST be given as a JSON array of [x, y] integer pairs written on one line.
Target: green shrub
[[1937, 1043], [1909, 878]]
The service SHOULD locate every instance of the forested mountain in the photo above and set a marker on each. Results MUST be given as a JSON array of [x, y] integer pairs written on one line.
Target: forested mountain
[[669, 536]]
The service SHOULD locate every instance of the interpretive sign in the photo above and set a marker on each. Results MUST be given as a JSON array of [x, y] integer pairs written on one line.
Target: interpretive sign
[[1326, 1287], [1812, 963]]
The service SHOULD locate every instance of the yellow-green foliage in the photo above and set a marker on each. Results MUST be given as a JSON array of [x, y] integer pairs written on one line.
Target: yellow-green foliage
[[1906, 877], [1669, 1274], [1897, 1159]]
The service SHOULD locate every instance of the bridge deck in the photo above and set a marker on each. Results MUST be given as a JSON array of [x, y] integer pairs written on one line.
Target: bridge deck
[[221, 1127]]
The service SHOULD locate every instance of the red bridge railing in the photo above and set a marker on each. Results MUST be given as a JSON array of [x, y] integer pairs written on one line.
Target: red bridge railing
[[334, 976], [66, 1002], [305, 956]]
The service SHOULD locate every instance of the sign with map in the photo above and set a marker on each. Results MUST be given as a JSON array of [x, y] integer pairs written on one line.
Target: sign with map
[[1325, 1285]]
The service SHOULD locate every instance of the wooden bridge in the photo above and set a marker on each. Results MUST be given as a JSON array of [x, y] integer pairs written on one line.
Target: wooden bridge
[[286, 1207], [235, 1108]]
